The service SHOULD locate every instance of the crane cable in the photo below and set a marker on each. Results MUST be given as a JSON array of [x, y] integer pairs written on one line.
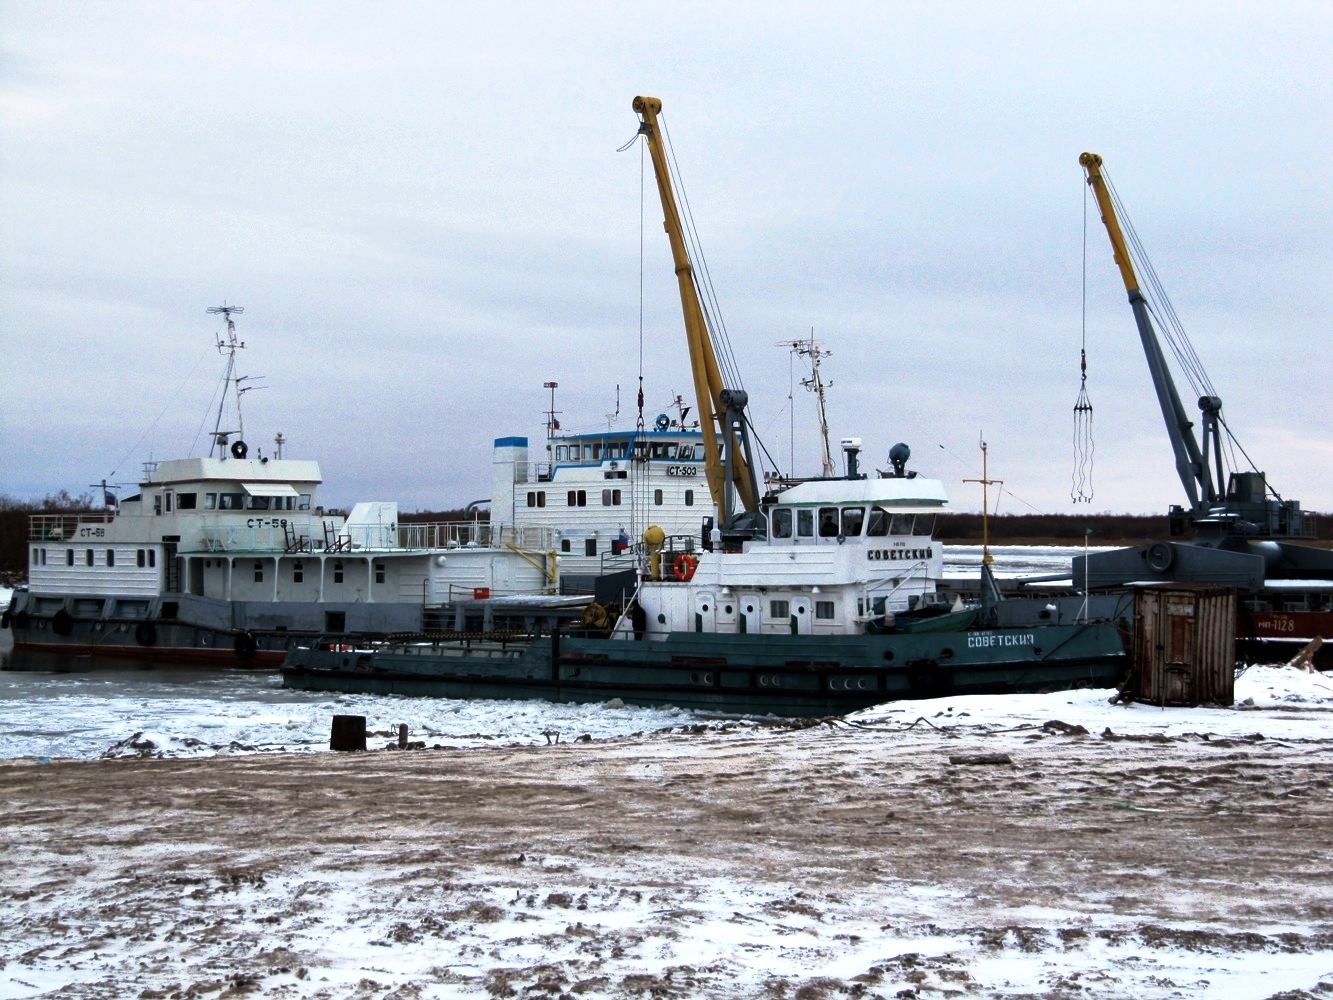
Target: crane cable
[[1081, 488]]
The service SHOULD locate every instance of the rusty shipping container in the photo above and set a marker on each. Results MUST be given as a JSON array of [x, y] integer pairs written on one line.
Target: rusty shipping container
[[1184, 645]]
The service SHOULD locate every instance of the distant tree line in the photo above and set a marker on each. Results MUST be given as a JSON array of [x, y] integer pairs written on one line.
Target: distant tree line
[[1069, 529]]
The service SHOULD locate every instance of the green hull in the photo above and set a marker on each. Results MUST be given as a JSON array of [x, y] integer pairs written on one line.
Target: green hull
[[785, 675]]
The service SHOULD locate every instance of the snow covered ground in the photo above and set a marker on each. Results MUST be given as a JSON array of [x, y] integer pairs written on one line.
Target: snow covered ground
[[1027, 846]]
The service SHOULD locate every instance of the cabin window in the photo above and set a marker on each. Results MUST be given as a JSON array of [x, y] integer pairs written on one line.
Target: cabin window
[[566, 545], [210, 501], [689, 498], [805, 523], [338, 572], [657, 498], [152, 558], [573, 453], [141, 558], [536, 498], [824, 610], [828, 522], [169, 495], [779, 609], [157, 503], [902, 524], [298, 573], [611, 498], [590, 547], [305, 501], [379, 573], [69, 557], [258, 503], [87, 557], [852, 519], [259, 571], [782, 522], [111, 557], [578, 498], [186, 501], [878, 525]]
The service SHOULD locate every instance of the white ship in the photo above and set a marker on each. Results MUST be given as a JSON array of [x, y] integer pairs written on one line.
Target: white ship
[[232, 558]]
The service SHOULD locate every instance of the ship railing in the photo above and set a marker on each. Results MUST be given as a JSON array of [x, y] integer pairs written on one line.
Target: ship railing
[[472, 534], [67, 527]]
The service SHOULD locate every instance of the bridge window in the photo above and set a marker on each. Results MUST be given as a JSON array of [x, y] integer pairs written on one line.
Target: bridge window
[[805, 523], [186, 501], [782, 523], [686, 451], [828, 522], [210, 501], [879, 522], [902, 524], [852, 519]]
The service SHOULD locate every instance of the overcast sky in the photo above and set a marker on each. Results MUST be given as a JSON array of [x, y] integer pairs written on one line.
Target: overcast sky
[[422, 210]]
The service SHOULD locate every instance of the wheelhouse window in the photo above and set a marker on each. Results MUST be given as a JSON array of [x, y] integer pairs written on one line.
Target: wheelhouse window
[[852, 520], [902, 524], [878, 524], [805, 523], [782, 522], [686, 451], [828, 522], [186, 501], [305, 501], [210, 501]]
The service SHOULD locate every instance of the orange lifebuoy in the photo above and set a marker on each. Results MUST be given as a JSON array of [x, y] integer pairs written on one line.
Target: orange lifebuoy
[[684, 566]]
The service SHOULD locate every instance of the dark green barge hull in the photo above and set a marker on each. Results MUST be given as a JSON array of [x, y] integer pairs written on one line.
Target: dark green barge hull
[[785, 675]]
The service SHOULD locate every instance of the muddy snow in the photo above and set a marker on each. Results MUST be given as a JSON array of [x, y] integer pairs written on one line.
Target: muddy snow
[[1044, 846]]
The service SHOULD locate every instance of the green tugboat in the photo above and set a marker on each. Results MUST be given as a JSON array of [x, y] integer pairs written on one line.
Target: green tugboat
[[818, 599]]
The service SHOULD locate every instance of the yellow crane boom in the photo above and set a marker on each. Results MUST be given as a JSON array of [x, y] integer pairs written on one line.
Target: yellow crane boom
[[721, 410]]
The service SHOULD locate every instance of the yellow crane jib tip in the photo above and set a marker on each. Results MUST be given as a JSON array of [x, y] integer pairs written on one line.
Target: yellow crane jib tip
[[642, 104]]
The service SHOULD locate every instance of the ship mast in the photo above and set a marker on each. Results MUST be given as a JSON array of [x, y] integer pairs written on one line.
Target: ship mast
[[228, 345], [816, 352]]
